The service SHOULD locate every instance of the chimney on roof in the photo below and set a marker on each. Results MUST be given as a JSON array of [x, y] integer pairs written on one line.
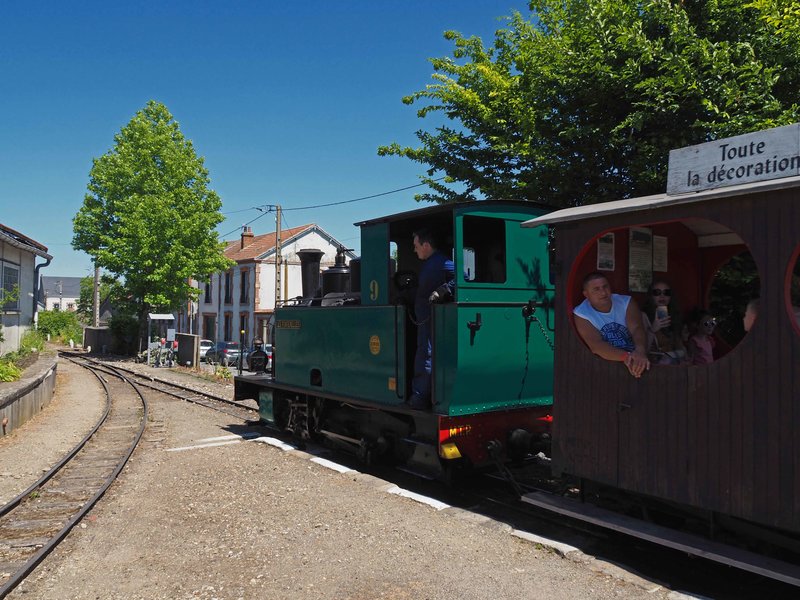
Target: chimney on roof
[[247, 235]]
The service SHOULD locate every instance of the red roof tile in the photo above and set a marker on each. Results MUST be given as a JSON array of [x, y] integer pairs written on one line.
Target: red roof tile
[[259, 244]]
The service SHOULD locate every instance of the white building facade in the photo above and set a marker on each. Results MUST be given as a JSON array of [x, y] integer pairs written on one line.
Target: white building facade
[[18, 271], [243, 298], [60, 293]]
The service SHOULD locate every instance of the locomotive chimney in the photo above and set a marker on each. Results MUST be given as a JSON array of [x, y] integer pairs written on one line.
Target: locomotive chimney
[[309, 267], [247, 235], [336, 279]]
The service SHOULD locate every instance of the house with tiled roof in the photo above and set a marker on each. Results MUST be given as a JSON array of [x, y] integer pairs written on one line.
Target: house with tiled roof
[[59, 293], [243, 298], [19, 273]]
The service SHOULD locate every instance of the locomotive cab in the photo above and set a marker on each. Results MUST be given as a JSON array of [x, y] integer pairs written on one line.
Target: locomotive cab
[[495, 275], [350, 365]]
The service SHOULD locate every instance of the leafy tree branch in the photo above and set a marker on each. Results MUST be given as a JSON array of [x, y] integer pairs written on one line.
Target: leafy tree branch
[[581, 101]]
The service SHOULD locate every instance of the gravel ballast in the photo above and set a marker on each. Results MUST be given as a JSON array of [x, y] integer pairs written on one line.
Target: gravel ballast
[[201, 513]]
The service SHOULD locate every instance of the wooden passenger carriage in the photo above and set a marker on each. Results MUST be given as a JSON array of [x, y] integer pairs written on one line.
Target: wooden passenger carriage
[[723, 438]]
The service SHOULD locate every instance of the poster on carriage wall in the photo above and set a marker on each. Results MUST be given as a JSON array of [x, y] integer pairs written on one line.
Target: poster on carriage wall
[[768, 154], [640, 259], [660, 246], [605, 252]]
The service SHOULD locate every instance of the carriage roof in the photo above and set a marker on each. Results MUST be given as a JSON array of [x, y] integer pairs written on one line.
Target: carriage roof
[[438, 209], [645, 203]]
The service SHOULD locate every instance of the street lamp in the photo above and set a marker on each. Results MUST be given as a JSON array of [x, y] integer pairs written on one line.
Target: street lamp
[[241, 350]]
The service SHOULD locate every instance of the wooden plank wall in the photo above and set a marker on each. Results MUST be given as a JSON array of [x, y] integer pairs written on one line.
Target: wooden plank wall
[[726, 436]]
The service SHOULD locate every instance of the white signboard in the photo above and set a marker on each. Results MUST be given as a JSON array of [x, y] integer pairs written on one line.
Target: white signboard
[[768, 154]]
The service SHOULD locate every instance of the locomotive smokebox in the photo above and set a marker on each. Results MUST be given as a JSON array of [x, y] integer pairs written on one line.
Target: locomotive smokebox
[[309, 269], [336, 279]]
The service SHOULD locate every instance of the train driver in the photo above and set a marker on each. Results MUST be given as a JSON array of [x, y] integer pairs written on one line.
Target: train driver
[[611, 325], [436, 284]]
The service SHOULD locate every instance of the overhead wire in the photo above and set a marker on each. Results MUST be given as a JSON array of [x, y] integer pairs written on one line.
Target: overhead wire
[[263, 214], [362, 198], [268, 208]]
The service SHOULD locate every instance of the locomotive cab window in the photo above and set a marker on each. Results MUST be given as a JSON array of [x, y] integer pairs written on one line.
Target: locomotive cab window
[[690, 279], [484, 250], [401, 238]]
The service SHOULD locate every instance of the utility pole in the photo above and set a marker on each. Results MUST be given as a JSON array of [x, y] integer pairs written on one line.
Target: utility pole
[[96, 298], [277, 255]]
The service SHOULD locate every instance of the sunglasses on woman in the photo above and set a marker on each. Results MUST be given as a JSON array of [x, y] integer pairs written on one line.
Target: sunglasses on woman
[[660, 292]]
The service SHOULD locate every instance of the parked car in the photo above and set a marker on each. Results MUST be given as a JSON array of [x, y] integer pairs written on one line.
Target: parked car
[[205, 346], [268, 350], [223, 353]]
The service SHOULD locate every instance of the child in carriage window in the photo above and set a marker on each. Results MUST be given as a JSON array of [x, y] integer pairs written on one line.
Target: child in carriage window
[[702, 342]]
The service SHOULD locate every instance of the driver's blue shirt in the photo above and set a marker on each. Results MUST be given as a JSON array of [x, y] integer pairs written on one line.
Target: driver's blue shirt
[[436, 270]]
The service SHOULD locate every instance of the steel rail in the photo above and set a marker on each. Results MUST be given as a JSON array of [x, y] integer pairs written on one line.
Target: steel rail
[[18, 576], [148, 381], [57, 467], [203, 401]]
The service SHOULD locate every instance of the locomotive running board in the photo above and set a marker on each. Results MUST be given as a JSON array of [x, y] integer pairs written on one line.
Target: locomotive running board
[[691, 544]]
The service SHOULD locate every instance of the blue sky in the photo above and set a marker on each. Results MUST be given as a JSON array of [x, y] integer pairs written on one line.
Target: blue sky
[[287, 102]]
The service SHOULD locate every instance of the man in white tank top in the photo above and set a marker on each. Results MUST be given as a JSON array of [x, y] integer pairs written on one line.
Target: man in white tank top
[[611, 325]]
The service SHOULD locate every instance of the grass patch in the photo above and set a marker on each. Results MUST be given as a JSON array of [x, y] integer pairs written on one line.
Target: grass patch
[[12, 364], [220, 374]]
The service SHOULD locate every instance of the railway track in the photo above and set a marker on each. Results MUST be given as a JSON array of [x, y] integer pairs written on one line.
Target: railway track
[[500, 499], [497, 500], [245, 410], [38, 519], [33, 523]]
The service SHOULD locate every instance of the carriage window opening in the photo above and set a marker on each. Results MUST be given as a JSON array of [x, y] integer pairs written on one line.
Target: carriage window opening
[[484, 250], [793, 290], [693, 308], [734, 284]]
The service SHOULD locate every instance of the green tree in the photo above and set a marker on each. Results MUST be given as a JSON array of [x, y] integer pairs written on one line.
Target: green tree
[[62, 325], [582, 102], [149, 216], [782, 15], [109, 288]]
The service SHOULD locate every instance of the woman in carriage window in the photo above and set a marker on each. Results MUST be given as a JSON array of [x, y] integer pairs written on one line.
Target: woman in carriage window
[[663, 324]]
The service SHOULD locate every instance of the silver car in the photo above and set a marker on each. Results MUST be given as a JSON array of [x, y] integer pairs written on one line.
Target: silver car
[[205, 346], [223, 353]]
